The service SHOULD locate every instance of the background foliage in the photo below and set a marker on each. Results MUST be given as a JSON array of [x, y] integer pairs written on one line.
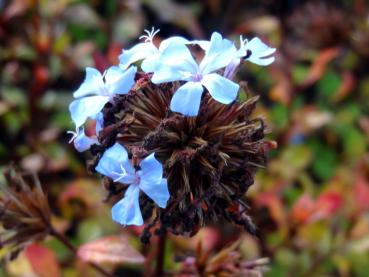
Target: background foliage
[[311, 204]]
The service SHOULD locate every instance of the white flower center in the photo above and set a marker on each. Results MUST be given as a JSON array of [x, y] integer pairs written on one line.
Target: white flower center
[[197, 77]]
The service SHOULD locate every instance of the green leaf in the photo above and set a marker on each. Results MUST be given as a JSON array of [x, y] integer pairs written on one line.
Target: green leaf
[[325, 160]]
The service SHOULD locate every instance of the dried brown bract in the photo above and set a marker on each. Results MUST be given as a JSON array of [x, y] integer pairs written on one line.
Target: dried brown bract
[[227, 263], [24, 212]]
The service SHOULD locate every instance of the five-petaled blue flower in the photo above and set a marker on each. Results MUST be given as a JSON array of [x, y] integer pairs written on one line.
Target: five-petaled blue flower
[[116, 165], [97, 90], [177, 64]]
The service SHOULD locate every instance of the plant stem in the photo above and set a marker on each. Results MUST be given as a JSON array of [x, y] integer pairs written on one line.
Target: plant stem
[[73, 249], [161, 254]]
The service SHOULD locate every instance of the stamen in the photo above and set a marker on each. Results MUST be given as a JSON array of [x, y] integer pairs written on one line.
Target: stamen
[[243, 42], [149, 34], [74, 134], [121, 175]]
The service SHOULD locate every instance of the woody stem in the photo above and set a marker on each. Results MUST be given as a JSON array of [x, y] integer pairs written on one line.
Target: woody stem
[[159, 271]]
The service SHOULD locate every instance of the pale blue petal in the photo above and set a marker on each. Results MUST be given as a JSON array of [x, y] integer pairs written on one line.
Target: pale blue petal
[[85, 107], [151, 170], [82, 142], [259, 52], [176, 63], [151, 63], [92, 84], [221, 89], [259, 48], [158, 192], [176, 39], [165, 74], [138, 52], [120, 81], [99, 123], [187, 98], [113, 160], [261, 61], [127, 211], [219, 54]]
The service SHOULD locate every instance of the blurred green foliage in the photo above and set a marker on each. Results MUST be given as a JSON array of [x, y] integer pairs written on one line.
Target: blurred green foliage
[[311, 204]]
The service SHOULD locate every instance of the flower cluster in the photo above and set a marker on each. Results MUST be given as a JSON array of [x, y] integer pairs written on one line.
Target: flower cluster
[[174, 130]]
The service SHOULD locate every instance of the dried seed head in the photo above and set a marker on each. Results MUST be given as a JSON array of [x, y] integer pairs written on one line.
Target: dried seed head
[[24, 212], [209, 160]]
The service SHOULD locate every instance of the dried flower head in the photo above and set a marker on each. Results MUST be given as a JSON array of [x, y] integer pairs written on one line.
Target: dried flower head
[[178, 135], [209, 160], [24, 212]]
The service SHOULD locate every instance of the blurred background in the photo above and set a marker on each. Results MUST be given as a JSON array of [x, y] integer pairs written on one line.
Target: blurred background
[[310, 205]]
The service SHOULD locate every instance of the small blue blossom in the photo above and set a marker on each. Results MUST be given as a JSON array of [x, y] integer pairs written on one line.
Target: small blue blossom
[[116, 165], [147, 51], [254, 51], [97, 90], [260, 52], [177, 64], [81, 141]]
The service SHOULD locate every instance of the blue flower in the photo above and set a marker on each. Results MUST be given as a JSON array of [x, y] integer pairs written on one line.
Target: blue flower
[[97, 90], [256, 51], [177, 63], [81, 141], [116, 165], [147, 51]]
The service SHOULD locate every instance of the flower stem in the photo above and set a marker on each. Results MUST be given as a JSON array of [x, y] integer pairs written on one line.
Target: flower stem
[[159, 271], [73, 249]]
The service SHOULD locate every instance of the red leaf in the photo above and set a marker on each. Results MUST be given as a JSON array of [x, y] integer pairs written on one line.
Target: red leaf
[[302, 209], [111, 249], [319, 65], [361, 193], [328, 203], [43, 261]]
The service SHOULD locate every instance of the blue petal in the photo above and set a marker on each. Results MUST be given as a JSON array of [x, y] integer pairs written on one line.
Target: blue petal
[[151, 170], [127, 211], [175, 39], [92, 84], [158, 192], [138, 52], [113, 160], [176, 63], [85, 107], [152, 182], [99, 123], [151, 63], [82, 142], [219, 54], [187, 98], [259, 52], [120, 81], [221, 89]]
